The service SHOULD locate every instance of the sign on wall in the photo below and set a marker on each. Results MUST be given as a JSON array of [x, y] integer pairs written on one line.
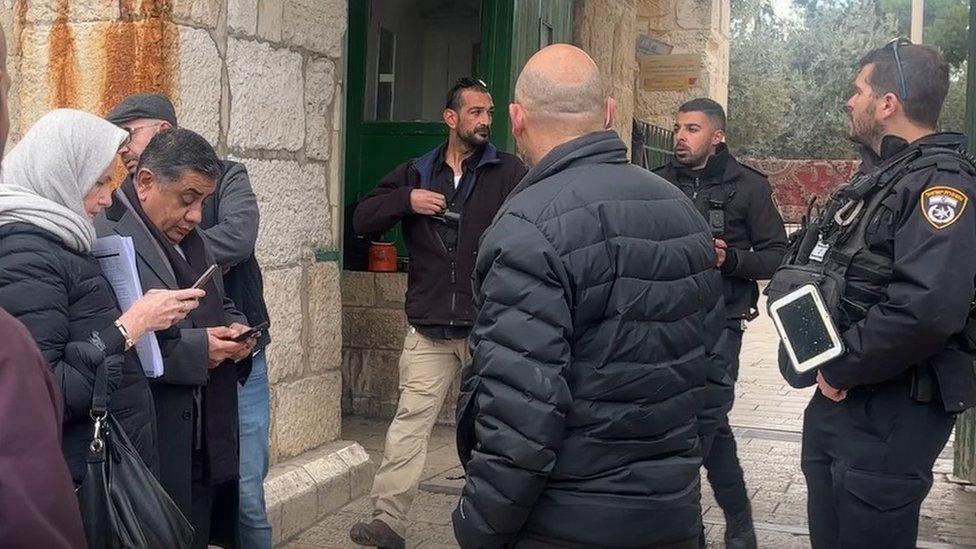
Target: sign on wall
[[675, 72]]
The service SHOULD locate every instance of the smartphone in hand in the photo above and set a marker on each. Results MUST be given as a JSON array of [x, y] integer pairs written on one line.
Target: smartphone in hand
[[205, 277], [253, 332]]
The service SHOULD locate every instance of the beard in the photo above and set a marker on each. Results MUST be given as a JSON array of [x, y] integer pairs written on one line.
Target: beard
[[691, 160], [866, 129], [476, 137]]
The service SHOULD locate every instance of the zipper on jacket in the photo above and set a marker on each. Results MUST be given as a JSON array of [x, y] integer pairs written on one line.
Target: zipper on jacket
[[694, 194]]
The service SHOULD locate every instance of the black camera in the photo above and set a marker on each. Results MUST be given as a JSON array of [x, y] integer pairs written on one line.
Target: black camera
[[716, 217]]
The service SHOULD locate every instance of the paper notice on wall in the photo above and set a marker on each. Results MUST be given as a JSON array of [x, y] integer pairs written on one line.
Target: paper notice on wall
[[674, 72], [117, 257]]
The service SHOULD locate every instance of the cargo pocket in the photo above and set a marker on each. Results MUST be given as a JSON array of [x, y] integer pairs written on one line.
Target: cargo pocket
[[882, 507]]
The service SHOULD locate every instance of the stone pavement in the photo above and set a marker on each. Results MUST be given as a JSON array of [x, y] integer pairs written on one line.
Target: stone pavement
[[767, 418]]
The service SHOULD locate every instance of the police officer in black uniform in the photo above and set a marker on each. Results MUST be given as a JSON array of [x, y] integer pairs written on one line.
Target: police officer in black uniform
[[750, 242], [900, 238]]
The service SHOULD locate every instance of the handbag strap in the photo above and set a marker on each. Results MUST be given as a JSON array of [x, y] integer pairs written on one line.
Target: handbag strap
[[99, 407]]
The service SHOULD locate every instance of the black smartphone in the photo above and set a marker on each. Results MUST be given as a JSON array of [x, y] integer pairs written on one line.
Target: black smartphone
[[253, 332], [204, 278]]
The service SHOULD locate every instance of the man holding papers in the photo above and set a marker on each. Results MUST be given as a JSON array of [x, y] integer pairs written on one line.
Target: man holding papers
[[196, 397]]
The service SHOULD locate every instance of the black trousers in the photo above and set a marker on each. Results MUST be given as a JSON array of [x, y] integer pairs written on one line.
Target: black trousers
[[719, 449], [868, 465]]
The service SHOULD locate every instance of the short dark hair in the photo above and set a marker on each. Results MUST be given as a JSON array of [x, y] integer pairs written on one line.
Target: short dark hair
[[463, 84], [926, 79], [172, 152], [708, 107]]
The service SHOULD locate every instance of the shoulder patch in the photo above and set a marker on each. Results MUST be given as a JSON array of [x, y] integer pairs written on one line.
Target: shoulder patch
[[942, 206]]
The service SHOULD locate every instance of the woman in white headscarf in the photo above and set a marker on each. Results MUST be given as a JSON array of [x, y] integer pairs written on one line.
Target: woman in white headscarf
[[53, 184]]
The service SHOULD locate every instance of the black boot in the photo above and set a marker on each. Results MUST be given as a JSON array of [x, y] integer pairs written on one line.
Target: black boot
[[739, 532]]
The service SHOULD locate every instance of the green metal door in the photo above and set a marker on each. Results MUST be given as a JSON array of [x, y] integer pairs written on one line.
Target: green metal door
[[405, 54]]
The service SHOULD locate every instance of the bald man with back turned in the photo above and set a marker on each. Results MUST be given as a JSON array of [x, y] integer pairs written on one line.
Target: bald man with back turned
[[598, 308]]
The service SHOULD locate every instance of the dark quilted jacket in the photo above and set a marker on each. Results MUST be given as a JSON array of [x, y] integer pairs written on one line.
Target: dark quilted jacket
[[62, 297], [598, 304]]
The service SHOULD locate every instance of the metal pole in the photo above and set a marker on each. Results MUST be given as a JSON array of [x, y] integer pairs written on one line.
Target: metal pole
[[918, 9]]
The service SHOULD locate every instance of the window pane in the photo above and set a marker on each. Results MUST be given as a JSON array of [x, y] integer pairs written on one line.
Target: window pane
[[415, 51]]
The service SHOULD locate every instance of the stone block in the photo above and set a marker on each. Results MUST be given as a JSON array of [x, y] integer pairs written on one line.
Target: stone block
[[283, 294], [316, 25], [201, 13], [308, 413], [47, 11], [325, 317], [369, 374], [198, 100], [331, 476], [391, 289], [319, 92], [267, 97], [358, 289], [269, 19], [361, 470], [296, 491], [242, 16], [374, 328], [295, 213]]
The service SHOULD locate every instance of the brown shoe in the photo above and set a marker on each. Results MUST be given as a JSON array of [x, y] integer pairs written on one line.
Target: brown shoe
[[375, 534]]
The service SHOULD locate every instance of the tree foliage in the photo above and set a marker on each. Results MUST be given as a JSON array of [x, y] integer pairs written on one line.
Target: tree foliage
[[790, 76]]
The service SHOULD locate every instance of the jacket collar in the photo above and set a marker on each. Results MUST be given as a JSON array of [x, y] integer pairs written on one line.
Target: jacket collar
[[893, 145], [124, 221], [603, 147], [427, 164], [721, 167]]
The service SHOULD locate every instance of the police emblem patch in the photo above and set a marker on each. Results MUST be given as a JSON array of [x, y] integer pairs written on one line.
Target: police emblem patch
[[942, 206]]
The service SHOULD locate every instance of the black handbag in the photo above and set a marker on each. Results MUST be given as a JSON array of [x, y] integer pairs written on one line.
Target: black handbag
[[122, 504]]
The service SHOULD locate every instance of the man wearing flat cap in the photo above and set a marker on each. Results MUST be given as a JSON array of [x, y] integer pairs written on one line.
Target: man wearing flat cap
[[230, 226]]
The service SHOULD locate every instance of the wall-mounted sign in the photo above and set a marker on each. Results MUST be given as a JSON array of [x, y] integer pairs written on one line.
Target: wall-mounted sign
[[675, 72], [648, 45]]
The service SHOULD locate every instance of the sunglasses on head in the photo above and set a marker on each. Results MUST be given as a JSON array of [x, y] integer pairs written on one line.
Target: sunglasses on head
[[893, 45]]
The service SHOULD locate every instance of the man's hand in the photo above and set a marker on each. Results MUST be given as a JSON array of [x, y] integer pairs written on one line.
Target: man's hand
[[426, 202], [221, 347], [720, 251], [836, 395]]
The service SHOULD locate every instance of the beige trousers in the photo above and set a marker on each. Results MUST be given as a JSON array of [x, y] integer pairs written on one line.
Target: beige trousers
[[427, 369]]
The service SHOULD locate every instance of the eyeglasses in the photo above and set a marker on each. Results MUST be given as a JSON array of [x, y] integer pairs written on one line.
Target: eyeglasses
[[900, 41], [134, 130]]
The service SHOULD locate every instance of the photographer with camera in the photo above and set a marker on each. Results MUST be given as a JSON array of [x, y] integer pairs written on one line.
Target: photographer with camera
[[445, 200], [750, 242]]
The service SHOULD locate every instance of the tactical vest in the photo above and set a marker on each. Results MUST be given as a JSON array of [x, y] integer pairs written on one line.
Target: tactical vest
[[831, 251]]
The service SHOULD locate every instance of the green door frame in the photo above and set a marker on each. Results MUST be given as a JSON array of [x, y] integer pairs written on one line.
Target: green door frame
[[496, 17]]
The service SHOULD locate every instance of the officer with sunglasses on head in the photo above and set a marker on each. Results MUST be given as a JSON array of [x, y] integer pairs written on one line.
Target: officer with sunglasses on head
[[901, 237]]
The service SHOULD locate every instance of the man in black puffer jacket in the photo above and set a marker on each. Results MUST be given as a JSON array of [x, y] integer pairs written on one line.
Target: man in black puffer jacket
[[597, 297]]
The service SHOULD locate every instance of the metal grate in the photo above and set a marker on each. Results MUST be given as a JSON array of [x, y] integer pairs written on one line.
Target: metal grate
[[651, 145]]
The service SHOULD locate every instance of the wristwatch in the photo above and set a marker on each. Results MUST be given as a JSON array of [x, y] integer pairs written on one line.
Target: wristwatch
[[129, 343]]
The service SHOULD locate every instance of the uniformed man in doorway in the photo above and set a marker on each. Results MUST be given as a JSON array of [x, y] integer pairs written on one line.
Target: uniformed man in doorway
[[750, 241], [903, 243]]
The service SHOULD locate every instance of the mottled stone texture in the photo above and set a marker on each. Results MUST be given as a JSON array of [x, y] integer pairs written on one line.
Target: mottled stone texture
[[373, 328], [260, 80], [606, 29], [692, 26]]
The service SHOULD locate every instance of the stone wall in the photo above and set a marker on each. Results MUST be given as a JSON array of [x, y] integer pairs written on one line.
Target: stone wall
[[373, 327], [606, 29], [691, 26], [261, 79]]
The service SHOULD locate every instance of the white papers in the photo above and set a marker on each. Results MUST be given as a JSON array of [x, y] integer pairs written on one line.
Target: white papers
[[117, 257]]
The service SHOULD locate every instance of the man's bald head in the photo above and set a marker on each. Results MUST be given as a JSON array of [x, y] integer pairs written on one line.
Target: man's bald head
[[561, 84], [558, 97]]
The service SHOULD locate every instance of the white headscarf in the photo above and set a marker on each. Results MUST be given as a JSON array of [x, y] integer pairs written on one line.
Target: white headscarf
[[48, 173]]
